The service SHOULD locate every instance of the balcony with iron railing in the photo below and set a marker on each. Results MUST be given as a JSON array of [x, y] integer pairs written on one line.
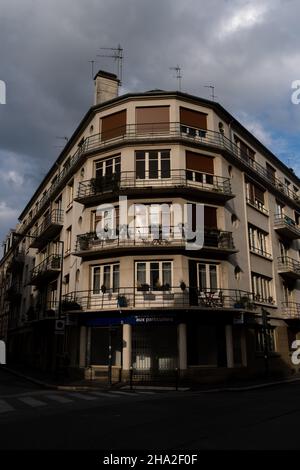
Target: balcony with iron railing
[[146, 239], [46, 271], [13, 293], [290, 310], [49, 228], [288, 267], [17, 261], [286, 226], [216, 188], [158, 298], [133, 133]]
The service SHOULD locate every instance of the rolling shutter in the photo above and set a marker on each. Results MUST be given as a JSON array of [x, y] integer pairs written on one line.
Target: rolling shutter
[[191, 118], [198, 162], [113, 125], [152, 118]]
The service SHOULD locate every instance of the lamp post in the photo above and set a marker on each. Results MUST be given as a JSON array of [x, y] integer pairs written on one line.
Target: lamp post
[[265, 329]]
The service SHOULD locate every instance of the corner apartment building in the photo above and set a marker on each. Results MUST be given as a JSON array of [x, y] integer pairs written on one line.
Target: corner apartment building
[[145, 302]]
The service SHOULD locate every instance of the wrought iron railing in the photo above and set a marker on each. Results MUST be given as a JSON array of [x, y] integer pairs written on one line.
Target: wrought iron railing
[[54, 217], [282, 220], [285, 263], [291, 310], [135, 132], [146, 237], [158, 297], [174, 179], [52, 263]]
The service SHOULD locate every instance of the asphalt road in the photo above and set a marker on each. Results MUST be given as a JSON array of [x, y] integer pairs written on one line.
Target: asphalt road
[[35, 419]]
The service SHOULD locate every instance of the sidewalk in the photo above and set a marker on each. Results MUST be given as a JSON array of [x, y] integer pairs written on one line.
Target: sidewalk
[[52, 381], [46, 380]]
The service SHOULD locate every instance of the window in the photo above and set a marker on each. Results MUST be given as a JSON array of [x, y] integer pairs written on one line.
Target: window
[[68, 240], [154, 220], [284, 249], [152, 164], [287, 293], [193, 123], [245, 152], [258, 241], [67, 283], [113, 126], [279, 209], [105, 277], [108, 167], [155, 275], [262, 288], [255, 196], [260, 339], [105, 222], [200, 168], [271, 172], [152, 119], [70, 192], [207, 276]]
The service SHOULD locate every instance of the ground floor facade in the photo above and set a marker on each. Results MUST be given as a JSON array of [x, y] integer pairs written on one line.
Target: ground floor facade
[[196, 346]]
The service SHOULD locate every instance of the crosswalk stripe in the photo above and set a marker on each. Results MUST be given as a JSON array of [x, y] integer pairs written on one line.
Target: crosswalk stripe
[[58, 398], [129, 394], [145, 393], [103, 394], [4, 406], [82, 396], [32, 402]]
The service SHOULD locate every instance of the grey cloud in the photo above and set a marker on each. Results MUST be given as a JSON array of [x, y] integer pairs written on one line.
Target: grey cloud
[[45, 48]]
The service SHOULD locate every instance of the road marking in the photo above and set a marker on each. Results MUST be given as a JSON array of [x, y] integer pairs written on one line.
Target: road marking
[[32, 402], [102, 394], [4, 406], [59, 398], [128, 394], [82, 396], [145, 393]]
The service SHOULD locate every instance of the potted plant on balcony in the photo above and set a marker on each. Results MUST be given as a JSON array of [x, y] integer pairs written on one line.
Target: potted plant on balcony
[[182, 286], [144, 287], [167, 295], [122, 301], [243, 302]]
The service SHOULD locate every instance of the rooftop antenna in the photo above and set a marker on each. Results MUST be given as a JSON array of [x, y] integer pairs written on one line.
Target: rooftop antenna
[[92, 62], [213, 96], [117, 55], [178, 75]]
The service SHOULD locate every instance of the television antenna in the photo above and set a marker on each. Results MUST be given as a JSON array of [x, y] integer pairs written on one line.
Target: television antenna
[[117, 55], [92, 62], [212, 88], [178, 75]]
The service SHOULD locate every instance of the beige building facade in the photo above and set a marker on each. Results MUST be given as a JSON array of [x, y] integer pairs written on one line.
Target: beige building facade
[[142, 300]]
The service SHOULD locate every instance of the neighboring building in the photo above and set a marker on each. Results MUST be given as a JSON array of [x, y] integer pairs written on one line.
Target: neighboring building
[[154, 304]]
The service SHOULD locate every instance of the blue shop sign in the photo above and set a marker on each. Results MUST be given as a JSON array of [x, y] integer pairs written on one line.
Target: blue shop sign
[[130, 320]]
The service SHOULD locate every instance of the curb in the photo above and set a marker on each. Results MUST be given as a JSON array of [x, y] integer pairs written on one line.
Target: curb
[[87, 388], [250, 387], [43, 384]]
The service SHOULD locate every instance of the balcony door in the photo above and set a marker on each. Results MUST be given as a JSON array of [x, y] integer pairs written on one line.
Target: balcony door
[[105, 283], [152, 165], [107, 171], [199, 168], [153, 275], [153, 222]]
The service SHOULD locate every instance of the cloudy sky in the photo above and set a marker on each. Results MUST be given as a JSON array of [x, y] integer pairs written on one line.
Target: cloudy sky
[[249, 50]]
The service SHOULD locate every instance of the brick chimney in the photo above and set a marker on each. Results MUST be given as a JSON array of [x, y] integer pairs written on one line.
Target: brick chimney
[[106, 86]]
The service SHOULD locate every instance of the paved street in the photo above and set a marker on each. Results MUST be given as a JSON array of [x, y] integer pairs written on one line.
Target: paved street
[[33, 418]]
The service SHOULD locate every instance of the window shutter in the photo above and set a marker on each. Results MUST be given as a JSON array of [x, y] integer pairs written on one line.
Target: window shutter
[[191, 118], [113, 125], [198, 162], [152, 118]]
